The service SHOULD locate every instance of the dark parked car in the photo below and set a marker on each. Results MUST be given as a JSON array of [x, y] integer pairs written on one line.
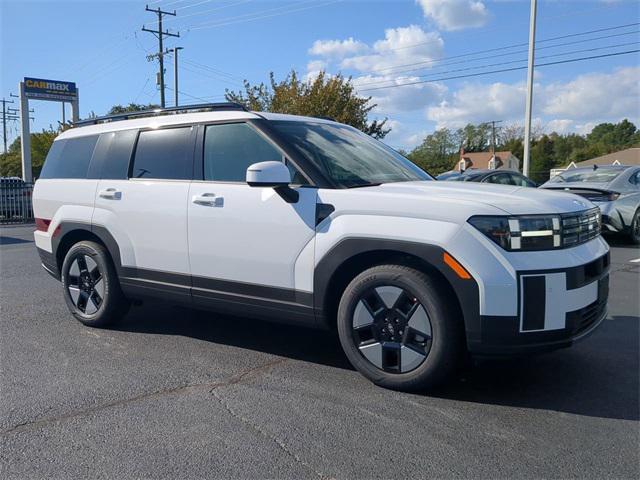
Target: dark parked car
[[615, 189], [13, 197], [501, 177]]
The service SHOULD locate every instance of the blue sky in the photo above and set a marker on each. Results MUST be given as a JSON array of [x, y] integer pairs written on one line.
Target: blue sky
[[99, 45]]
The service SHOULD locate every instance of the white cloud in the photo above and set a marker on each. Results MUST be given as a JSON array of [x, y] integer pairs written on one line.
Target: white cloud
[[403, 136], [479, 103], [577, 105], [403, 99], [337, 48], [314, 67], [455, 14], [401, 46], [596, 95], [560, 125]]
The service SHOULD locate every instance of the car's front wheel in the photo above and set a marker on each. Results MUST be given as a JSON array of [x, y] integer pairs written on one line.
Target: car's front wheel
[[91, 287], [398, 329]]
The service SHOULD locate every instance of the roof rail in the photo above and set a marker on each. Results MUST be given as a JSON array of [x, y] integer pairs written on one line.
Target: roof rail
[[201, 107]]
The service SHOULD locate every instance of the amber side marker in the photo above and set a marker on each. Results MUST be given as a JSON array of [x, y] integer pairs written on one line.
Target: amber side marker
[[455, 266]]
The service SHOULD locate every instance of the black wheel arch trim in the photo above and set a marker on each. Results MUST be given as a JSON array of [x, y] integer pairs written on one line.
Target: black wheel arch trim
[[465, 290]]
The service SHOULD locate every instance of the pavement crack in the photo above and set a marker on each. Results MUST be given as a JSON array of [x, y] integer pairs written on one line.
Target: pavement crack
[[260, 430], [244, 375]]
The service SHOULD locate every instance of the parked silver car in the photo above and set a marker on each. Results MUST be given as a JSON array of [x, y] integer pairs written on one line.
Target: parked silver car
[[615, 189]]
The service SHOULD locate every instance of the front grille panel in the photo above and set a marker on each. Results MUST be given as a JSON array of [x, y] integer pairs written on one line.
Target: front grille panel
[[578, 228]]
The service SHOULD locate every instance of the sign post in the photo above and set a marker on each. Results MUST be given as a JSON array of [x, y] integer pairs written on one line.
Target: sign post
[[41, 89]]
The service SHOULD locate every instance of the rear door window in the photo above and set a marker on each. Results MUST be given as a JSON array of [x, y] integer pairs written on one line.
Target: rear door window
[[69, 158], [164, 154]]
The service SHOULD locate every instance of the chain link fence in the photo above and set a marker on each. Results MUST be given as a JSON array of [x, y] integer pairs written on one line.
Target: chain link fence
[[16, 204]]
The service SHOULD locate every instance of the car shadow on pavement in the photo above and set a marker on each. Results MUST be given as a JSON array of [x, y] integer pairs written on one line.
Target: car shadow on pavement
[[299, 343], [620, 241], [597, 377]]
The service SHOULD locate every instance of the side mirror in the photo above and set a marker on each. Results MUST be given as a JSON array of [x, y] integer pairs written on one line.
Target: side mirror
[[268, 174]]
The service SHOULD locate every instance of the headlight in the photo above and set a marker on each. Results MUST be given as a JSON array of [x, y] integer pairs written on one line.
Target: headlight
[[539, 232]]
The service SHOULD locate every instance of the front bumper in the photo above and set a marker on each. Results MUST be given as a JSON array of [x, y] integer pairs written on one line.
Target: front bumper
[[556, 307]]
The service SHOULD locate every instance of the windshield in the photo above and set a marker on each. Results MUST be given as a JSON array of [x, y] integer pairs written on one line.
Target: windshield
[[596, 176], [347, 156]]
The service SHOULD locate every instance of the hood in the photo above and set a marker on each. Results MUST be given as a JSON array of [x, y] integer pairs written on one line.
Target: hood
[[453, 201], [510, 199]]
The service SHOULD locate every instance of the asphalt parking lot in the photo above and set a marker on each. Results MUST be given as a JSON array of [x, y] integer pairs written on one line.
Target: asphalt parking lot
[[173, 393]]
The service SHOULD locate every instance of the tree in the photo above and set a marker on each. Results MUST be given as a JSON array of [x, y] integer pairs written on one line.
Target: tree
[[475, 138], [11, 162], [323, 96], [132, 107], [542, 160], [438, 152]]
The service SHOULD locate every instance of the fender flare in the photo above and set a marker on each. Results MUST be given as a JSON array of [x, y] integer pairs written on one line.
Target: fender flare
[[466, 290], [65, 228]]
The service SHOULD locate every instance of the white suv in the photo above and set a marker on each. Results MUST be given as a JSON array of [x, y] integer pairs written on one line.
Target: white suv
[[309, 221]]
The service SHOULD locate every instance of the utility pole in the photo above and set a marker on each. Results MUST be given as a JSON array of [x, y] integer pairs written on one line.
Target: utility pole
[[493, 135], [175, 73], [160, 55], [7, 114], [529, 104]]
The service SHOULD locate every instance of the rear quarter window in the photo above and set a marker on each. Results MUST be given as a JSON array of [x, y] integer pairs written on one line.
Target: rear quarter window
[[112, 155], [69, 158]]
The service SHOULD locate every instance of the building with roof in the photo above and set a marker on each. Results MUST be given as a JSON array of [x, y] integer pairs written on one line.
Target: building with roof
[[488, 160], [630, 156]]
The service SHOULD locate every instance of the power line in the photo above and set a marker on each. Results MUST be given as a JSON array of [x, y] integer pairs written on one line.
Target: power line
[[202, 99], [213, 70], [573, 13], [476, 67], [561, 37], [572, 60], [202, 12], [258, 16], [204, 74]]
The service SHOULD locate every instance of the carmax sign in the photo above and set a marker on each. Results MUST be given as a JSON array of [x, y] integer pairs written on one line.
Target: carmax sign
[[49, 89]]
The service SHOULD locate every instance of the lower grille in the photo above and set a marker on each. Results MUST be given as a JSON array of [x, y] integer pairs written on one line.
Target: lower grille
[[588, 315]]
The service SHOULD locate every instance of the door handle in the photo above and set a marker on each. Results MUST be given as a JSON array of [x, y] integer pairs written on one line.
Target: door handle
[[111, 194], [208, 200]]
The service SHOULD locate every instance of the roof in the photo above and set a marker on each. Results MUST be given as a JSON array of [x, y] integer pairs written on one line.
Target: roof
[[630, 156], [180, 119], [480, 160]]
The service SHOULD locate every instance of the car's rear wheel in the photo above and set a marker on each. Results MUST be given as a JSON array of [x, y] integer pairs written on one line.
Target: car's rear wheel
[[398, 329], [91, 287], [634, 234]]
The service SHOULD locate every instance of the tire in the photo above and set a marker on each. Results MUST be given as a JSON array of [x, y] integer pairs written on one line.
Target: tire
[[634, 233], [397, 328], [91, 286]]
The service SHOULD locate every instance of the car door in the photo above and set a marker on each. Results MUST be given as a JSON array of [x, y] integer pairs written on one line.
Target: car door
[[144, 207], [248, 244]]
